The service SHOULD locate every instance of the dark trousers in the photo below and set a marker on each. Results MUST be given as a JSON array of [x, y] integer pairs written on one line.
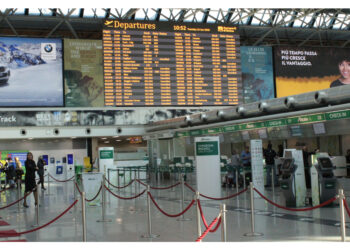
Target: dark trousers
[[307, 177], [41, 180]]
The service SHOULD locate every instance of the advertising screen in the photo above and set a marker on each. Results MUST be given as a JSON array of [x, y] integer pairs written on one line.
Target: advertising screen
[[83, 73], [30, 72], [171, 64], [300, 70], [257, 73]]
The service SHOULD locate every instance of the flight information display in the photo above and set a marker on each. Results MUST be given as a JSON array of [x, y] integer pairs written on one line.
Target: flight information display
[[171, 64]]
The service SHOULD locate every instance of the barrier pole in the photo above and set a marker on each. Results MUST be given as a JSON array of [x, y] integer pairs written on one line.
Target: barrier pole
[[199, 229], [118, 184], [252, 217], [182, 217], [18, 193], [103, 203], [48, 182], [83, 207], [237, 184], [18, 197], [149, 235], [109, 180], [273, 182], [223, 221], [342, 214], [124, 176], [36, 197]]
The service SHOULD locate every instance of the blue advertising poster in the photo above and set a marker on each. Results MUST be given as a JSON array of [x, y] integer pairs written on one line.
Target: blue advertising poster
[[31, 72], [46, 159], [257, 73], [70, 159]]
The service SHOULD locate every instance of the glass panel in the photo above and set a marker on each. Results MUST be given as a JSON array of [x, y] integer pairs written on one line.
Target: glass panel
[[338, 21], [100, 13], [141, 14], [34, 12], [88, 12], [165, 14]]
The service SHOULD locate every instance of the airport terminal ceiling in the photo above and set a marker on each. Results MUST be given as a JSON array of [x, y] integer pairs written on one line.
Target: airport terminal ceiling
[[297, 27]]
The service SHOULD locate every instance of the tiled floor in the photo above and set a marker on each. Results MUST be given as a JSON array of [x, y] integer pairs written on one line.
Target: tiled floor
[[129, 217]]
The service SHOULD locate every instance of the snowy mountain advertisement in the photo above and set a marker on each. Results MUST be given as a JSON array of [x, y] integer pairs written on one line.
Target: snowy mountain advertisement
[[30, 72], [83, 73]]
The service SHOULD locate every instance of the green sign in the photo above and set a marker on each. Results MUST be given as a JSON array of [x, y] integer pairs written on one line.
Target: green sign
[[306, 119], [195, 132], [230, 128], [344, 114], [276, 123], [182, 134], [106, 154], [209, 131], [207, 148]]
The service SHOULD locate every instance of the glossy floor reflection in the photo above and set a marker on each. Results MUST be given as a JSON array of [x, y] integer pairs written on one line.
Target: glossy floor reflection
[[129, 217]]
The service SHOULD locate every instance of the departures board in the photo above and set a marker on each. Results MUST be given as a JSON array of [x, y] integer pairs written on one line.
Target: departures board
[[171, 64]]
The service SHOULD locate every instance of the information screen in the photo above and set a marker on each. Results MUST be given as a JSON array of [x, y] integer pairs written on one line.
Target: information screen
[[171, 64]]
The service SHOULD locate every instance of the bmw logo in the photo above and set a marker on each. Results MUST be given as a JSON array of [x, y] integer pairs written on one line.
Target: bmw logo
[[48, 48]]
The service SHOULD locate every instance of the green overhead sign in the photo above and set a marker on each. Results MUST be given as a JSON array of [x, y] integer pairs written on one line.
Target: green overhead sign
[[296, 120]]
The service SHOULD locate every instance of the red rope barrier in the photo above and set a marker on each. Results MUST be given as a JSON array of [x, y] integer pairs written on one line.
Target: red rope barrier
[[163, 188], [218, 199], [296, 209], [60, 180], [95, 195], [120, 187], [208, 229], [38, 228], [346, 207], [142, 183], [15, 202], [224, 198], [171, 215], [76, 184], [204, 220], [190, 187], [159, 188], [125, 198], [4, 189]]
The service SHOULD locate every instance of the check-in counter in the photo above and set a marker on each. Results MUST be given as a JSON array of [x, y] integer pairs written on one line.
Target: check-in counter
[[340, 165]]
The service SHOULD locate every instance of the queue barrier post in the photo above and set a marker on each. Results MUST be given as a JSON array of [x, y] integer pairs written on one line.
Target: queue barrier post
[[199, 229], [48, 183], [182, 218], [36, 198], [103, 203], [237, 184], [118, 178], [108, 171], [83, 209], [252, 217], [18, 193], [273, 182], [223, 225], [149, 234], [342, 214]]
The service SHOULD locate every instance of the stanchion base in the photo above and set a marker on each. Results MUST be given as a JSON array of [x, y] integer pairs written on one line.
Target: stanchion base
[[150, 236], [183, 219], [105, 220], [253, 234]]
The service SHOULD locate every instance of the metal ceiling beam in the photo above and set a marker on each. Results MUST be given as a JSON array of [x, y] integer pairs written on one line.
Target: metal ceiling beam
[[130, 13]]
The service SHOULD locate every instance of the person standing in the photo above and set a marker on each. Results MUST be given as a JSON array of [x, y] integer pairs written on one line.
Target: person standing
[[246, 162], [30, 185], [270, 156], [235, 162], [306, 167], [11, 172], [19, 172], [41, 163], [348, 162]]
